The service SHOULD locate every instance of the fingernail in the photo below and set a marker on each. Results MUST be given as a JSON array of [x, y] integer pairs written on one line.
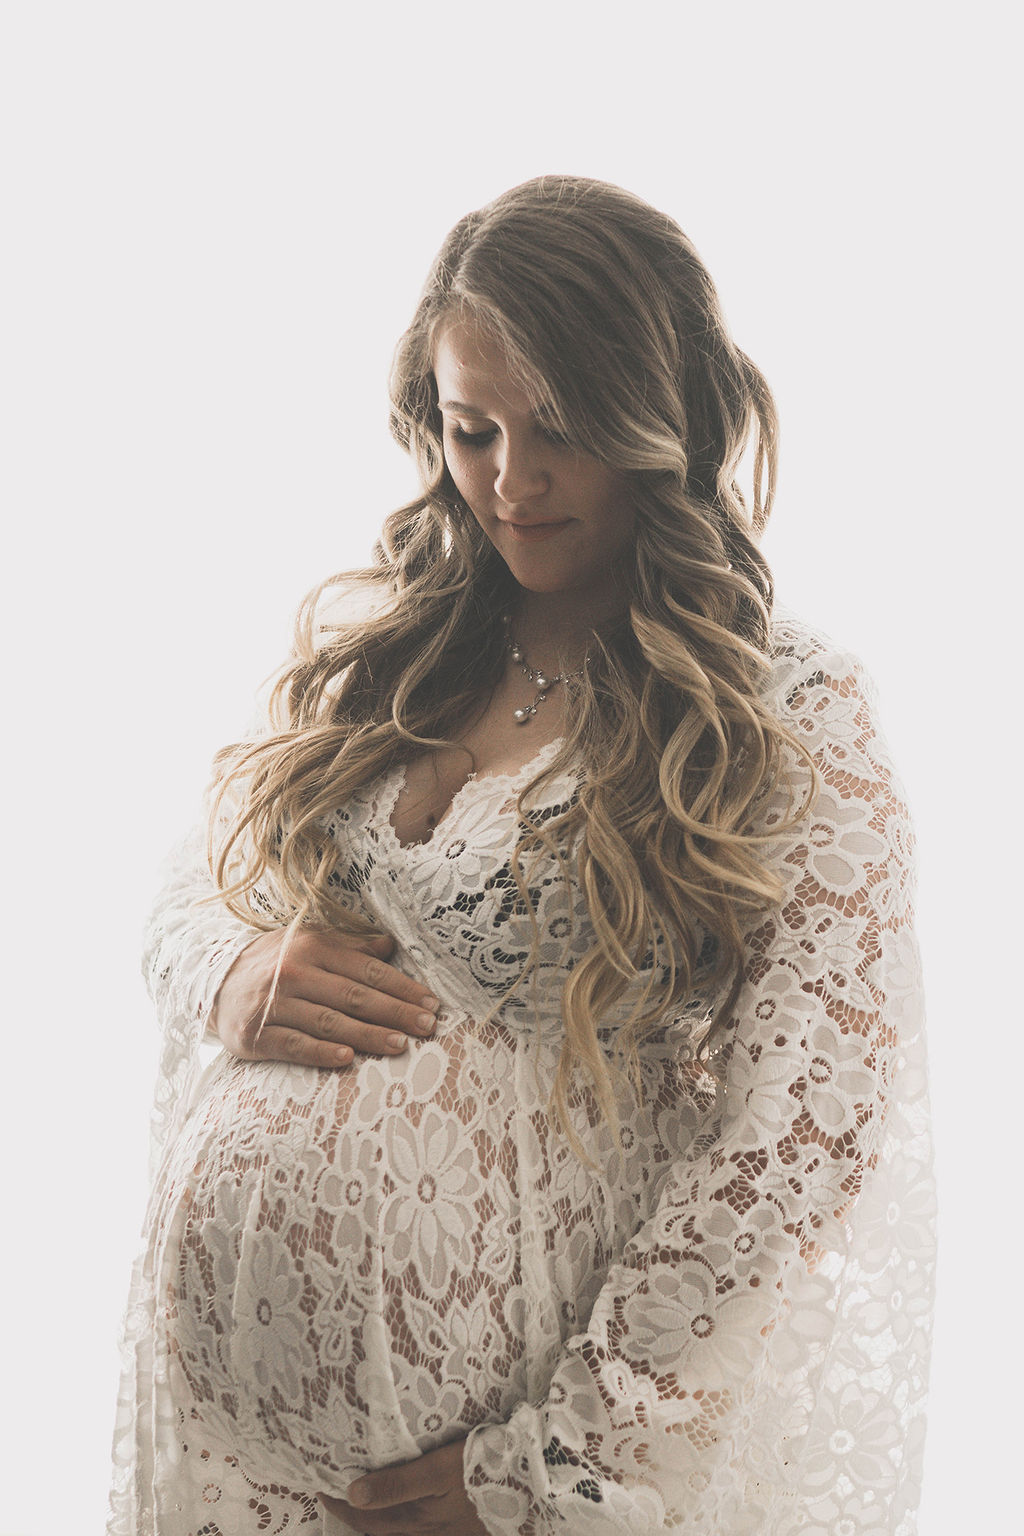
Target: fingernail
[[433, 1003], [426, 1021], [397, 1042], [358, 1494]]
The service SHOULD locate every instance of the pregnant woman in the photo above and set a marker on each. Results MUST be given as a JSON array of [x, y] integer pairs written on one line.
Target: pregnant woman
[[566, 1165]]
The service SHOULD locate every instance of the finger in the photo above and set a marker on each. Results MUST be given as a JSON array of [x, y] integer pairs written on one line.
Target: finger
[[373, 972], [278, 1043], [326, 946], [352, 999], [423, 1477], [426, 1494], [349, 1518], [327, 1024], [380, 944], [402, 1520]]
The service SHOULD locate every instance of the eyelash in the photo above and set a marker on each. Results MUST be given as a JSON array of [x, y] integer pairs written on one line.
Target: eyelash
[[481, 439], [473, 439]]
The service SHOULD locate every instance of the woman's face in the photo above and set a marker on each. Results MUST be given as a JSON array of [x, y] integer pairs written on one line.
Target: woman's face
[[560, 519]]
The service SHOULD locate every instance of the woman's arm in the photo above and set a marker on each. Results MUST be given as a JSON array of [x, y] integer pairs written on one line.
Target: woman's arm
[[765, 1338], [189, 944]]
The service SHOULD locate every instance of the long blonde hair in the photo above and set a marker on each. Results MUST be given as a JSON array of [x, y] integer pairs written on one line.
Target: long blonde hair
[[612, 323]]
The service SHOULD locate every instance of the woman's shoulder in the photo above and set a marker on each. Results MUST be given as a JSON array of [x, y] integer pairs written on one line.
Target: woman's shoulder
[[828, 701], [798, 647], [808, 665]]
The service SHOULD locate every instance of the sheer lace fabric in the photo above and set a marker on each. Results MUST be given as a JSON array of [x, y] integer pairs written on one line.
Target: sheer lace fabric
[[723, 1329]]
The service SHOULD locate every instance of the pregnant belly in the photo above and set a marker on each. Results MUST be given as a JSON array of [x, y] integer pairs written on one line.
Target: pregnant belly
[[340, 1259]]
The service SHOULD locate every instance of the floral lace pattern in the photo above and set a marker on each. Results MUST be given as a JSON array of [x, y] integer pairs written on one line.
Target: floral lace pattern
[[723, 1328]]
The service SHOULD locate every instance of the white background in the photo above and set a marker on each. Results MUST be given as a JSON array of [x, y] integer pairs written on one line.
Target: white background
[[217, 218]]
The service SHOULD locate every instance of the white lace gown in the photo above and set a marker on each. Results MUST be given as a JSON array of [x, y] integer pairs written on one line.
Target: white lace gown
[[724, 1329]]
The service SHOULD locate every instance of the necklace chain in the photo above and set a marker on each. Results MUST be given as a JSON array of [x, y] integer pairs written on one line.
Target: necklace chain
[[536, 676]]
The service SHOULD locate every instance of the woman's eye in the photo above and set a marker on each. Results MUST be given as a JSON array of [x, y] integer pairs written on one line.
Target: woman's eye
[[488, 435], [473, 439]]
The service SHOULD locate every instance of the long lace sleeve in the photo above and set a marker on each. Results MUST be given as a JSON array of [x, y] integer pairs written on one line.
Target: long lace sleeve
[[757, 1362], [189, 945]]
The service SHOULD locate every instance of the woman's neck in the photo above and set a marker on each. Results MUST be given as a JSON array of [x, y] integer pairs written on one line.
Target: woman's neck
[[554, 629]]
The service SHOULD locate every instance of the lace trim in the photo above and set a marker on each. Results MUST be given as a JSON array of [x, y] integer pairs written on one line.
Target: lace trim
[[391, 792]]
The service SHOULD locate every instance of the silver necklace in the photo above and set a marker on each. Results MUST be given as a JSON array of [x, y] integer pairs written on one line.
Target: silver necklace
[[538, 678]]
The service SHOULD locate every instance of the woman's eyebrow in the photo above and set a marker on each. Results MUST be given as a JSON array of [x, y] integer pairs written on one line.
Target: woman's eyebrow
[[462, 407]]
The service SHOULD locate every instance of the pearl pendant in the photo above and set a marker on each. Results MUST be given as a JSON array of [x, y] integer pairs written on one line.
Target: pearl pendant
[[539, 680]]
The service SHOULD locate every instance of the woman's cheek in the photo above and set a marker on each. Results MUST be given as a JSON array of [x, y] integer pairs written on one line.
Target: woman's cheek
[[470, 484]]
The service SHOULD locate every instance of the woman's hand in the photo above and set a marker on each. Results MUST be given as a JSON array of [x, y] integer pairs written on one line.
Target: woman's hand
[[335, 995], [427, 1494]]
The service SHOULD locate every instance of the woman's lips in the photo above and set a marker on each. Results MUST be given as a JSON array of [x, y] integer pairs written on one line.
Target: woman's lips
[[532, 533]]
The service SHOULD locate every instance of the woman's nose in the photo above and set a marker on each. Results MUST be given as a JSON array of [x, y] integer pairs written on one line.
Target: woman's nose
[[521, 473]]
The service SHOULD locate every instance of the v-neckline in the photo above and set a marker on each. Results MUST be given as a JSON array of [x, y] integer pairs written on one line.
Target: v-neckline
[[394, 791]]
